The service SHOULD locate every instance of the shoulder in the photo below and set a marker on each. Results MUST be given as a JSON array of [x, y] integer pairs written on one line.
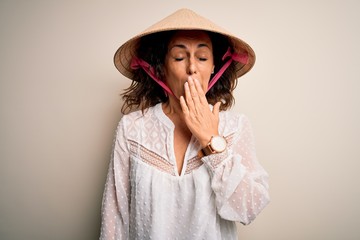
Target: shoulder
[[134, 121], [231, 121], [137, 115], [231, 117]]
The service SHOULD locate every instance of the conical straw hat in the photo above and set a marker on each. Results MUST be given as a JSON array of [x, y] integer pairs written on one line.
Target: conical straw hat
[[183, 19]]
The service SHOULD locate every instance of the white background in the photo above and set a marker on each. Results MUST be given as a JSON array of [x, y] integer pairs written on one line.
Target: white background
[[60, 104]]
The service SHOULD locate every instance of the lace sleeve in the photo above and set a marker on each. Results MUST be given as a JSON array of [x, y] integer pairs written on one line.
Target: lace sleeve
[[115, 205], [239, 182]]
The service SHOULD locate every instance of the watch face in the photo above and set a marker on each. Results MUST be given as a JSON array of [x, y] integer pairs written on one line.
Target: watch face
[[218, 143]]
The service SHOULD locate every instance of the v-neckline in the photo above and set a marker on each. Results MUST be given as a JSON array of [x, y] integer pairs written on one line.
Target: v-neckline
[[186, 157], [171, 146]]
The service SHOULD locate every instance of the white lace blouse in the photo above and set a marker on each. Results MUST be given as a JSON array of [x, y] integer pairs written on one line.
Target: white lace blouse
[[146, 198]]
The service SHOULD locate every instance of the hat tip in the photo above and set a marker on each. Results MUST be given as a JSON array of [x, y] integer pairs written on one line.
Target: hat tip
[[184, 10]]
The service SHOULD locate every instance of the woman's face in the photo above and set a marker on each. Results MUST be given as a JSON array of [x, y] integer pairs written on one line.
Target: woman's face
[[190, 53]]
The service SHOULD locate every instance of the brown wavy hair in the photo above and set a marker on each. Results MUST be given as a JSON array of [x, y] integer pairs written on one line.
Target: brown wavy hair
[[144, 92]]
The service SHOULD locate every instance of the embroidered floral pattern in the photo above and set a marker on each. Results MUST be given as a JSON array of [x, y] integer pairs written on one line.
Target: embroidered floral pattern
[[151, 158], [192, 164]]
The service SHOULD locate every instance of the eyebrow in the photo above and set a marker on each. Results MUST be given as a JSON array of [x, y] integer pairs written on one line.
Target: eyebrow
[[184, 47]]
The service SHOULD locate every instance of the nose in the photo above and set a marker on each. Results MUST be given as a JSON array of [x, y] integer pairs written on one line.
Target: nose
[[192, 67]]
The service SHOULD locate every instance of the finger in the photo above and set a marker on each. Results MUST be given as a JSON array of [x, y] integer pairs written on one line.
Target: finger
[[183, 105], [216, 109], [200, 92], [195, 96], [193, 89], [188, 98]]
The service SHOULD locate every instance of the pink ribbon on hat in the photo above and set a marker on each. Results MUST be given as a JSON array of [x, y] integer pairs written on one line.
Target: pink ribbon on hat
[[242, 58], [137, 63]]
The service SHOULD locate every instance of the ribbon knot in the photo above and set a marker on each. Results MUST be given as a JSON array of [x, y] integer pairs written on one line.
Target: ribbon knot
[[242, 58]]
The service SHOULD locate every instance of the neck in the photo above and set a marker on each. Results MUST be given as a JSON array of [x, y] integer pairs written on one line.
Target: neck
[[173, 111], [172, 107]]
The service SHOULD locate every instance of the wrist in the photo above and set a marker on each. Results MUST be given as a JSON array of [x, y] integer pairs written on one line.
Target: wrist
[[206, 140]]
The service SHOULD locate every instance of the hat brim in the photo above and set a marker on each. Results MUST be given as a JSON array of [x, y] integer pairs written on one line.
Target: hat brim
[[183, 19]]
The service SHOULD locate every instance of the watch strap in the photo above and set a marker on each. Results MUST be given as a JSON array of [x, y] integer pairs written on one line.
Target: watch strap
[[208, 150]]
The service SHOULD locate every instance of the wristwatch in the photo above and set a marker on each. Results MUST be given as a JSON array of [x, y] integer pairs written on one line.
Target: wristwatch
[[217, 144]]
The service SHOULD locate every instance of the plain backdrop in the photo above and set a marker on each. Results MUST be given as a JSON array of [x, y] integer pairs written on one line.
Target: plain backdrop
[[60, 104]]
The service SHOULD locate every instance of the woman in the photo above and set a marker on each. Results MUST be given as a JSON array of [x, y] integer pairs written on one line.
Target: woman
[[184, 166]]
